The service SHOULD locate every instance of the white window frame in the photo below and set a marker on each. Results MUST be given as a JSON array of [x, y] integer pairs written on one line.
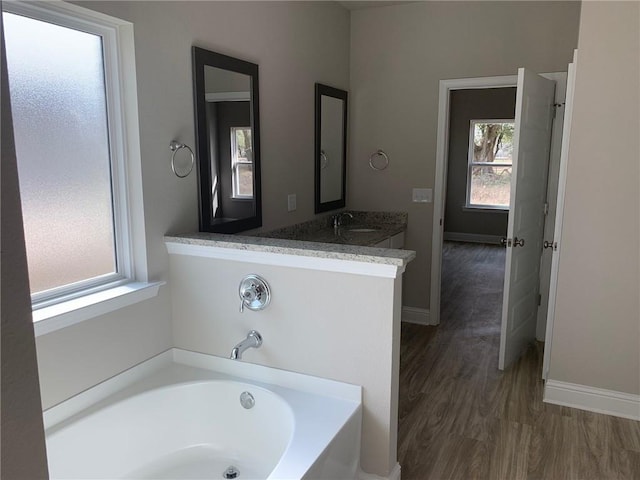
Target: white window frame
[[66, 305], [235, 161], [471, 164]]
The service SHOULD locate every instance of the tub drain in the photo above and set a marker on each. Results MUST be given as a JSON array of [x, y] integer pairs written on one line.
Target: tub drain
[[231, 472]]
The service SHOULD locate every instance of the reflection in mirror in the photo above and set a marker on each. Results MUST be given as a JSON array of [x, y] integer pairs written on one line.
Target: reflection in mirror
[[330, 147], [226, 104]]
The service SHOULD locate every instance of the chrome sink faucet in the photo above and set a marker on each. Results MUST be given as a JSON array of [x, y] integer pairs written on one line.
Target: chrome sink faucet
[[253, 340], [337, 220]]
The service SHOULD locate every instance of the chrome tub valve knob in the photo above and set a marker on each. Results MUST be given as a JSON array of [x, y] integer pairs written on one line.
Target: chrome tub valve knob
[[254, 293]]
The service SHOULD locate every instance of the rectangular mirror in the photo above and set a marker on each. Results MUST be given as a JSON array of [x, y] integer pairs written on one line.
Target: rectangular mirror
[[330, 148], [227, 141]]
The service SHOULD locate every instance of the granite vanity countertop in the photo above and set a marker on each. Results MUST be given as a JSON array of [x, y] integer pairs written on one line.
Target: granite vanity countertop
[[365, 229], [317, 238], [362, 235], [336, 251]]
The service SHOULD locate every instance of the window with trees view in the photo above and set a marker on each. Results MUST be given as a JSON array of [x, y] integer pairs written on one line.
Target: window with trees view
[[490, 164], [241, 162]]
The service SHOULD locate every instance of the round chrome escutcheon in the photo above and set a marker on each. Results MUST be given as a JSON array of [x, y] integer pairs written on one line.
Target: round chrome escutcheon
[[247, 400]]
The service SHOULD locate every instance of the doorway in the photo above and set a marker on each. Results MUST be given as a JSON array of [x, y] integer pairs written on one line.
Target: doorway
[[477, 194], [527, 87]]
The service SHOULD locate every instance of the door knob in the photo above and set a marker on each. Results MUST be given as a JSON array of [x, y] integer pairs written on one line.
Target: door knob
[[518, 243]]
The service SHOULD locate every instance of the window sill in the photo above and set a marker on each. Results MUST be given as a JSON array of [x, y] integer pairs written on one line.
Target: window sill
[[468, 208], [61, 315]]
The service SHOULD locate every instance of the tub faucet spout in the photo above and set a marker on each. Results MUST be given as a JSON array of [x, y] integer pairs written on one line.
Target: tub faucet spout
[[253, 340]]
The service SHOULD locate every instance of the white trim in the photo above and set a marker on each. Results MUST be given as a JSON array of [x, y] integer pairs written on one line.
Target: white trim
[[484, 209], [446, 86], [599, 400], [393, 475], [64, 314], [472, 238], [416, 315], [227, 97], [287, 260]]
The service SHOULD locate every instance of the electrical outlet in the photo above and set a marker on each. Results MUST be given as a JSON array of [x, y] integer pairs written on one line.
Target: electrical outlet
[[422, 195], [291, 202]]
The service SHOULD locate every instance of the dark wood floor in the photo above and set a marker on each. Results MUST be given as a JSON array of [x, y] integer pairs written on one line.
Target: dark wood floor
[[461, 418]]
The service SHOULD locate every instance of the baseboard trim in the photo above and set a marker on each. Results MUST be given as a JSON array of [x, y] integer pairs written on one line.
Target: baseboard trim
[[471, 238], [599, 400], [394, 475], [416, 315]]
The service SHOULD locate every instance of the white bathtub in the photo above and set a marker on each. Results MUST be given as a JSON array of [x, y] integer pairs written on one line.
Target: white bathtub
[[179, 416]]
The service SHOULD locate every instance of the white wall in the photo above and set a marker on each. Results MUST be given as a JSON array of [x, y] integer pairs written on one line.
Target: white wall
[[596, 333], [333, 325], [295, 45], [398, 56]]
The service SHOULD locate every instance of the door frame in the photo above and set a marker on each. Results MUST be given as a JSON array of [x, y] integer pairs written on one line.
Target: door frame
[[440, 181], [442, 154]]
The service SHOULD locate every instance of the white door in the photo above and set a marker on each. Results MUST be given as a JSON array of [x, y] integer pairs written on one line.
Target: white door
[[557, 232], [532, 139]]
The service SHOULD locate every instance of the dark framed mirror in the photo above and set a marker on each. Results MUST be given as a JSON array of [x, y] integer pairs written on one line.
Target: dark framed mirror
[[225, 92], [330, 148]]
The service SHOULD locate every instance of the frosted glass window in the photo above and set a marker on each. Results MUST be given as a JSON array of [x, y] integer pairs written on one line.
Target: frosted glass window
[[58, 99]]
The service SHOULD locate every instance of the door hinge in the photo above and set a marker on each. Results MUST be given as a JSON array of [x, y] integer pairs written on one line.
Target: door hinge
[[539, 299], [440, 222], [555, 108], [546, 208]]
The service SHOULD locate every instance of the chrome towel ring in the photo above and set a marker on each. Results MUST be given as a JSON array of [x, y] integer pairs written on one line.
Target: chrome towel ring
[[385, 163], [175, 146]]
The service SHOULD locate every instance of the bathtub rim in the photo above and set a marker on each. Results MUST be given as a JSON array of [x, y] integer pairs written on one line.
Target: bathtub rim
[[237, 370]]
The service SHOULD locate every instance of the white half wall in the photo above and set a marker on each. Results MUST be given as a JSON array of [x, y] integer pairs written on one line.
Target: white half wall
[[341, 326]]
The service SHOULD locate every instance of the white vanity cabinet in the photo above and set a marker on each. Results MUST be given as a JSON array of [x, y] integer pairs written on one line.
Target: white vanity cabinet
[[395, 241]]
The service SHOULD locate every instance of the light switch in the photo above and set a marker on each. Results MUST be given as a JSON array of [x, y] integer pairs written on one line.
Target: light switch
[[291, 202], [422, 195]]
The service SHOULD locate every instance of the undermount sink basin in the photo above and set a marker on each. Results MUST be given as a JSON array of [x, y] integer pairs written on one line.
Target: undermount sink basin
[[362, 230]]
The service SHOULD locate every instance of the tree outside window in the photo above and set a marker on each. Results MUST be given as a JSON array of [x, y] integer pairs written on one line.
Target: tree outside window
[[490, 163]]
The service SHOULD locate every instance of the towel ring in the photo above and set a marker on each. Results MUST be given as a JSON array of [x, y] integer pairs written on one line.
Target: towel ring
[[379, 153], [324, 160], [174, 146]]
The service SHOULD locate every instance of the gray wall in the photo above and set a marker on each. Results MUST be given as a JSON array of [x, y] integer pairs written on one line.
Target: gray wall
[[398, 56], [22, 454], [295, 45], [596, 334], [467, 105]]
